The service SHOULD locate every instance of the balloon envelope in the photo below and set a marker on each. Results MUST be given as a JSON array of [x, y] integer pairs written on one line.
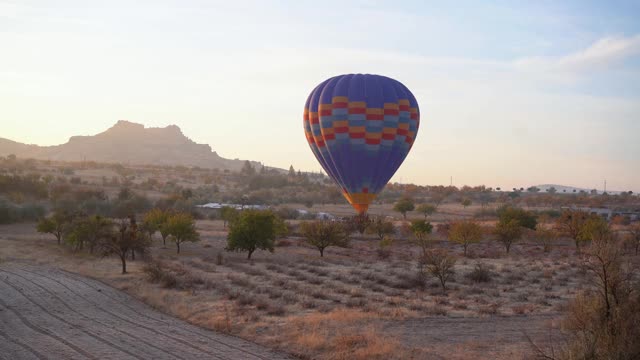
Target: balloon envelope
[[361, 127]]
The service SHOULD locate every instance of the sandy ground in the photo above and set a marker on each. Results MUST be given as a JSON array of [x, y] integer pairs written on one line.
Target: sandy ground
[[47, 313]]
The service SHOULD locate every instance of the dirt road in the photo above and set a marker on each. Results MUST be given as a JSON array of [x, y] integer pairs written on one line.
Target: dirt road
[[51, 314]]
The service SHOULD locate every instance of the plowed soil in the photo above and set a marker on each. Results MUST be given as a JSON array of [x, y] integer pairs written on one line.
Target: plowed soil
[[47, 313]]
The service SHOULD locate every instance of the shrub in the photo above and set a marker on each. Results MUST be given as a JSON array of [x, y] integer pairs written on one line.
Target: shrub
[[276, 310], [384, 247], [219, 259], [480, 273], [169, 280], [153, 270]]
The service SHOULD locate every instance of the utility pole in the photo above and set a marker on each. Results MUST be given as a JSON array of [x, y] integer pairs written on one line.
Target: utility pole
[[605, 185], [451, 181]]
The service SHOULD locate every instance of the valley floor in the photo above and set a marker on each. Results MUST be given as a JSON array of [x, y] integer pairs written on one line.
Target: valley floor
[[347, 305]]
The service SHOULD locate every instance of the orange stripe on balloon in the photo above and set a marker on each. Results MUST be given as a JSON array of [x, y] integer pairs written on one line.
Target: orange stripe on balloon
[[374, 135], [341, 123]]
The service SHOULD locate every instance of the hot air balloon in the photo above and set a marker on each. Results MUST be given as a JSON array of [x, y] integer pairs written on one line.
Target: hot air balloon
[[361, 127]]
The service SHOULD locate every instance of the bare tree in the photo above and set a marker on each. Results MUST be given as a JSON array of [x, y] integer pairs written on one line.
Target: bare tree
[[438, 263], [634, 232]]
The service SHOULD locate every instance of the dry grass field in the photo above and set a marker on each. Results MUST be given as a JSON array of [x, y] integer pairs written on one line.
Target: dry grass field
[[351, 304]]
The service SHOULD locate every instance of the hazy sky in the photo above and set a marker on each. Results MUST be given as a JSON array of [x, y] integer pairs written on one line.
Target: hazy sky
[[511, 94]]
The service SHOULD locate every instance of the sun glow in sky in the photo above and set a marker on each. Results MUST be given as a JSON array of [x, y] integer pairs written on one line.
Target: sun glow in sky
[[511, 93]]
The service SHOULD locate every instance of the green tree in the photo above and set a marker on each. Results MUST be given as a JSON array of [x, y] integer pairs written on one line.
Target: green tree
[[381, 227], [403, 206], [421, 230], [228, 214], [508, 232], [465, 202], [595, 229], [88, 230], [181, 228], [153, 221], [426, 210], [465, 233], [525, 218], [128, 238], [252, 230], [546, 236], [322, 234], [55, 224], [570, 224]]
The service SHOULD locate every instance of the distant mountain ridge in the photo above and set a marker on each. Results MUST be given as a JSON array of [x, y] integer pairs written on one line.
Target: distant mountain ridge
[[128, 142]]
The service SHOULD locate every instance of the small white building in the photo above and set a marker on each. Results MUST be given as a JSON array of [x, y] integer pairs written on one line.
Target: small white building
[[219, 206]]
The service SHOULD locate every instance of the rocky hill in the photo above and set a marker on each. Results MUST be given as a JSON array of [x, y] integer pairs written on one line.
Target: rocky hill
[[127, 142]]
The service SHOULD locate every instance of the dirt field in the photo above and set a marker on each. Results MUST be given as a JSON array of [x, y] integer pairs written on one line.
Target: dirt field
[[348, 305], [48, 313]]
